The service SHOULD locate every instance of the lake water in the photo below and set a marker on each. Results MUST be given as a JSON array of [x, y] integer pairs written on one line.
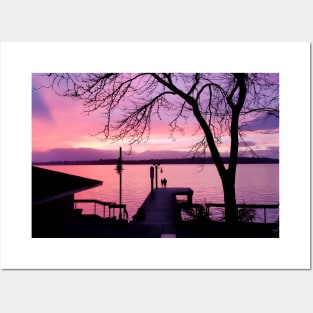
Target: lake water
[[256, 183]]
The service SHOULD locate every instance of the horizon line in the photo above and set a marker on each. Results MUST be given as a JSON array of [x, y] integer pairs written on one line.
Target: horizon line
[[192, 160]]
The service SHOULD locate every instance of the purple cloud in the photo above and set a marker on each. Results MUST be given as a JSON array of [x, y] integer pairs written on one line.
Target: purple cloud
[[90, 154], [72, 154], [264, 122], [247, 143], [39, 108]]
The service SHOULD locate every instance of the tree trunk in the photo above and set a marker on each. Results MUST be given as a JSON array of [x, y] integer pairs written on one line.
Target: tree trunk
[[231, 213]]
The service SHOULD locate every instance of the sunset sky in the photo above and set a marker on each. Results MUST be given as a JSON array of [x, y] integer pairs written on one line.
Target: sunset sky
[[62, 131]]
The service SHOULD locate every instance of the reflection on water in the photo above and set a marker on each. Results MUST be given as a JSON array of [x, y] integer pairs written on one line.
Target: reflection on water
[[256, 183]]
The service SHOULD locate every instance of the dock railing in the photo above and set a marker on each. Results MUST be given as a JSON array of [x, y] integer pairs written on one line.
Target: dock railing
[[247, 213], [248, 210], [108, 208]]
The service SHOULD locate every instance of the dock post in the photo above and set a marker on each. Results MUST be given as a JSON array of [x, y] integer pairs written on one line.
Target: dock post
[[189, 198], [151, 179], [156, 174], [119, 169]]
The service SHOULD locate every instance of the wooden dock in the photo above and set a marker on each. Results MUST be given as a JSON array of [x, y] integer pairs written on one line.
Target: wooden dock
[[161, 211]]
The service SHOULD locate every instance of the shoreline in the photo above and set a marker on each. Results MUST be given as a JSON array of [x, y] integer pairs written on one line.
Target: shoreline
[[242, 160]]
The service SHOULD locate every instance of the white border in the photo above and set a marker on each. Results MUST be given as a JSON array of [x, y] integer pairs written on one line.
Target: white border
[[290, 251]]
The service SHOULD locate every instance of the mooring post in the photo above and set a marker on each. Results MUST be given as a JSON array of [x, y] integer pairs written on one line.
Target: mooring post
[[189, 198], [156, 174], [119, 169], [151, 179]]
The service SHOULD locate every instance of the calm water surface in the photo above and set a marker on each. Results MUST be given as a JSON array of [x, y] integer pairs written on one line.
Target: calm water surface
[[256, 183]]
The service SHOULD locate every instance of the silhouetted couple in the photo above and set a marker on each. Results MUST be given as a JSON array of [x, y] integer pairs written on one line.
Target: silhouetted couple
[[163, 182]]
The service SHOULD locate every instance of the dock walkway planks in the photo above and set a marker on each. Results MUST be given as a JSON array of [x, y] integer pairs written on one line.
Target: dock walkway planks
[[161, 210]]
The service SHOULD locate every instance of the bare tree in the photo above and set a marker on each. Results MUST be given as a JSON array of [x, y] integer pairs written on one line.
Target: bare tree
[[219, 103]]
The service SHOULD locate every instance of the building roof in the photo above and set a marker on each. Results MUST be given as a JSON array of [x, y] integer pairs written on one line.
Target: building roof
[[48, 185]]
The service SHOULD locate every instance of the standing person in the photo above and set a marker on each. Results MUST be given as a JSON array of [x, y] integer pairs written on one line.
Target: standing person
[[162, 182], [165, 182]]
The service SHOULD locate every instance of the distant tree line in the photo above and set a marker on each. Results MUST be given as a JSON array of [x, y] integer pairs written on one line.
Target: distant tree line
[[196, 160]]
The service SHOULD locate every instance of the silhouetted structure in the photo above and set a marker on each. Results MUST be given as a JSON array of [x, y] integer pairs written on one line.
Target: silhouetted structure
[[53, 212]]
